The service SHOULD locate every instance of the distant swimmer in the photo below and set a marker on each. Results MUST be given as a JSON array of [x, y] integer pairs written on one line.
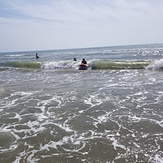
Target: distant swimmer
[[83, 65], [37, 57], [75, 59], [83, 61]]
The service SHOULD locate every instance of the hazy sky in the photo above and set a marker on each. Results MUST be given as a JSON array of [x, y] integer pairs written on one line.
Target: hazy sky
[[60, 24]]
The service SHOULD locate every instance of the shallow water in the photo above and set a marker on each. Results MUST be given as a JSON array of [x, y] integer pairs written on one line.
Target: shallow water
[[81, 116]]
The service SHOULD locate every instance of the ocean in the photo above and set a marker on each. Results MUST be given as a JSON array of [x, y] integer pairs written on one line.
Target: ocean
[[51, 112]]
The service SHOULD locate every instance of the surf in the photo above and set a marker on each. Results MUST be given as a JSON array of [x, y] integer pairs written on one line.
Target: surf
[[92, 65], [156, 65], [104, 64], [18, 64]]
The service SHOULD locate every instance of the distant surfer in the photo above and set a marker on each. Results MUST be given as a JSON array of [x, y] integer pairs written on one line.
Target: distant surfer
[[83, 62], [75, 59], [37, 57]]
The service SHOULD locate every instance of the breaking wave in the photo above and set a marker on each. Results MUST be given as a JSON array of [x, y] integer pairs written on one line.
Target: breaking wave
[[156, 65], [94, 65], [35, 65], [119, 64]]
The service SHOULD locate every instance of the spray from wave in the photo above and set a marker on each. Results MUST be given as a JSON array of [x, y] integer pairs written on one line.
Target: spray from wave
[[59, 65], [156, 65]]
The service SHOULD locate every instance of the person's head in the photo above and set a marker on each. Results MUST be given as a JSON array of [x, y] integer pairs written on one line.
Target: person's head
[[83, 59]]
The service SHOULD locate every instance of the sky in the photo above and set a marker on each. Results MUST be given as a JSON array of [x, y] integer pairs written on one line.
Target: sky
[[27, 25]]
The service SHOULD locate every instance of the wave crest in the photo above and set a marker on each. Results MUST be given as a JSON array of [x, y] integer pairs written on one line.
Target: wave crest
[[119, 64], [59, 65], [35, 65], [156, 65]]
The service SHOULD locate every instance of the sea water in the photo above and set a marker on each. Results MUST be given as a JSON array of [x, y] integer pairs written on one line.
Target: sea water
[[52, 112]]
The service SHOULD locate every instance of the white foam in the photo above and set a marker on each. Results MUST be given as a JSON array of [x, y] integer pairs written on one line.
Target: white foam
[[15, 55], [158, 158], [93, 100], [23, 93], [156, 65], [60, 64], [116, 144], [66, 128], [17, 116], [134, 118]]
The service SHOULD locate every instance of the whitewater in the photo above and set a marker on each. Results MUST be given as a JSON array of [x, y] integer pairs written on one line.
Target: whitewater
[[52, 112]]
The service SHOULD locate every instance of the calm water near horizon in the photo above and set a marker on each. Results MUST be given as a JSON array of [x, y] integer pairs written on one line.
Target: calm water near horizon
[[111, 113]]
